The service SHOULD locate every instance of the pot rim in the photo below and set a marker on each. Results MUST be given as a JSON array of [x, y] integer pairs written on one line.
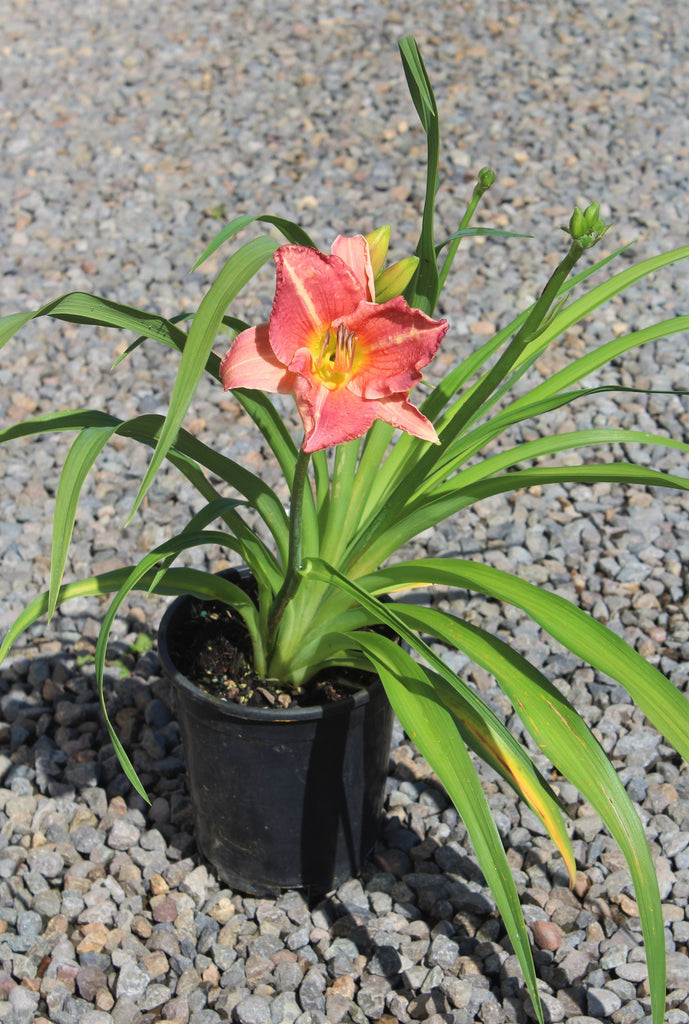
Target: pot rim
[[229, 708]]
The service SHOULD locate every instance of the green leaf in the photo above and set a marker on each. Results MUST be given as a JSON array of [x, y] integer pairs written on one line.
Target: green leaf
[[83, 453], [602, 293], [588, 639], [188, 453], [238, 270], [455, 380], [260, 496], [292, 232], [601, 356], [432, 509], [478, 725], [484, 232], [338, 513], [408, 451], [418, 82], [455, 420], [433, 729], [550, 444], [422, 292], [82, 308], [213, 365], [565, 739], [462, 448], [206, 586], [251, 549], [233, 595], [271, 425]]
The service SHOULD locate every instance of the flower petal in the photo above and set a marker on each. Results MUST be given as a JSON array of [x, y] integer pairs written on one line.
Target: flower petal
[[251, 363], [330, 417], [312, 290], [355, 252], [393, 343], [396, 410], [333, 416]]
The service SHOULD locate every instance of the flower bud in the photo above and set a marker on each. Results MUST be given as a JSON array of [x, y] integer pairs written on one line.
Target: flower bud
[[486, 177], [587, 227], [378, 242], [393, 280], [591, 214], [577, 223]]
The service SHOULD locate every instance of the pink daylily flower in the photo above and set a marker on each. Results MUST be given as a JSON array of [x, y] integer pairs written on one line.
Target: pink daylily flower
[[347, 360]]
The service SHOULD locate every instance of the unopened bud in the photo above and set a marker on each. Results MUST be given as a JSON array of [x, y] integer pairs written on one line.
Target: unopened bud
[[395, 279], [591, 215], [378, 242], [587, 227], [577, 223], [486, 177]]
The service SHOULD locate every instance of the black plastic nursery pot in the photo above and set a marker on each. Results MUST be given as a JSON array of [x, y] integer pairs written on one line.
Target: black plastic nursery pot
[[282, 798]]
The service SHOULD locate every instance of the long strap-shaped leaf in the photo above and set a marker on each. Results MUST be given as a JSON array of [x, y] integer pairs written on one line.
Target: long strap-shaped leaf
[[259, 495], [82, 308], [434, 731], [176, 582], [423, 290], [566, 316], [605, 291], [292, 232], [601, 356], [549, 445], [408, 449], [232, 595], [462, 448], [204, 585], [238, 270], [434, 509], [481, 728], [466, 411], [452, 383], [584, 636], [84, 451], [186, 454], [253, 552], [565, 739], [213, 365]]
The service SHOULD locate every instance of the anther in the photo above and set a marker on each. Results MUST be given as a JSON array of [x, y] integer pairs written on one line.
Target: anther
[[346, 347]]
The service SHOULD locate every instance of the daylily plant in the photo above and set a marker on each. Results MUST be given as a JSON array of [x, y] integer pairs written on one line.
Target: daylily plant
[[372, 470]]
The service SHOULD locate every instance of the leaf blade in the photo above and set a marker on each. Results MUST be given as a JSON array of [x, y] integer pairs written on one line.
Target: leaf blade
[[432, 729], [238, 270], [84, 451]]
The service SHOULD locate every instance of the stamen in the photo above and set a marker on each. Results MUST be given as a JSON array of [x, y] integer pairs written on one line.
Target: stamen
[[336, 358], [345, 349]]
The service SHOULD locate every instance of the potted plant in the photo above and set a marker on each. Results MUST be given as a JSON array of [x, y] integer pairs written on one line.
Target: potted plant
[[349, 339]]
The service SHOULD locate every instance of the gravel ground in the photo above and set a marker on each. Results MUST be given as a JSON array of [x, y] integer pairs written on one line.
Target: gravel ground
[[127, 130]]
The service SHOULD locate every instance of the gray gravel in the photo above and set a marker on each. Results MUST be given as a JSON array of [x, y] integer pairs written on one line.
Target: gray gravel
[[126, 130]]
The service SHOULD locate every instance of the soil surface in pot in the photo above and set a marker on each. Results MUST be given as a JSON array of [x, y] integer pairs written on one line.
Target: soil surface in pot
[[212, 649]]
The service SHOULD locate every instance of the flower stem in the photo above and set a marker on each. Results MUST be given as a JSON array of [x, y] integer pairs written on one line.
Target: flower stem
[[294, 555], [486, 177], [526, 334]]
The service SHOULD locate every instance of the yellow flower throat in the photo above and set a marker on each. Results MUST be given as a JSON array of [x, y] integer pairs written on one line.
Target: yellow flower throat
[[336, 359]]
